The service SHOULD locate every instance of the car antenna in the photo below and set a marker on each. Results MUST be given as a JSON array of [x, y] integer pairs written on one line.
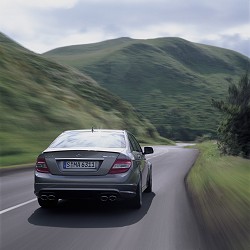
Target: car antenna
[[92, 129]]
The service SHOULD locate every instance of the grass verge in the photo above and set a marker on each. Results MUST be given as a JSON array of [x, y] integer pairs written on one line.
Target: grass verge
[[23, 147], [219, 188]]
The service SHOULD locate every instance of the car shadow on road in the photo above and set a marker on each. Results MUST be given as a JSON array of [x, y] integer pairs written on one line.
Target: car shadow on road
[[90, 214]]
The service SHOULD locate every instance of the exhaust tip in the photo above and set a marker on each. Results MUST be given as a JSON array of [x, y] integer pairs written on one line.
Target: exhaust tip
[[104, 198], [44, 197], [112, 198], [51, 197]]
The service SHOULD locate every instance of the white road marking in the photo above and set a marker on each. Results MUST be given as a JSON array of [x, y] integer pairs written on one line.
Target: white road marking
[[17, 206]]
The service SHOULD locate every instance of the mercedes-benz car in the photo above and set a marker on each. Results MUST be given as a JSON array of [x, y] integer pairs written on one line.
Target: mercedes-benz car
[[107, 165]]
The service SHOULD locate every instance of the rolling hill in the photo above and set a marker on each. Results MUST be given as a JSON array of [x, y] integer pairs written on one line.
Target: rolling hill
[[170, 80], [41, 98]]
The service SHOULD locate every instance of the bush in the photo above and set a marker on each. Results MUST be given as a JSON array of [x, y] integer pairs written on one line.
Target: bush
[[233, 131]]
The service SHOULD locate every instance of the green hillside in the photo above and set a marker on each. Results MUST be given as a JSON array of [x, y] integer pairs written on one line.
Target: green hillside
[[170, 80], [40, 99]]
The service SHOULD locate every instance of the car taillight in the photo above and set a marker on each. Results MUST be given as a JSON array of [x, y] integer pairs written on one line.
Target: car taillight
[[120, 166], [41, 165]]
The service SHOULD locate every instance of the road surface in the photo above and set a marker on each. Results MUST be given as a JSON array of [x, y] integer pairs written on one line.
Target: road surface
[[165, 222]]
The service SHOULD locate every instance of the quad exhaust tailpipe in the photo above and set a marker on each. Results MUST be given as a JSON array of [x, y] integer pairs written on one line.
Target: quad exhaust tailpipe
[[44, 197], [111, 198], [104, 198], [49, 197]]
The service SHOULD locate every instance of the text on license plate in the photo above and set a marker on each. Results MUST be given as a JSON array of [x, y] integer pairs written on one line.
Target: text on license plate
[[79, 165]]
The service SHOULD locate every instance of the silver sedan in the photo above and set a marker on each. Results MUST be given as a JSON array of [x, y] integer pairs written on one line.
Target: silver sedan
[[108, 165]]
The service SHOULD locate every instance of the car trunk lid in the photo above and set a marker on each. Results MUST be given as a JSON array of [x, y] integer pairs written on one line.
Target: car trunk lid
[[81, 162]]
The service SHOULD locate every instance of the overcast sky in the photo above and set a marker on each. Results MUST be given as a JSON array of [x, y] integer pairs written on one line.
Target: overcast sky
[[46, 24]]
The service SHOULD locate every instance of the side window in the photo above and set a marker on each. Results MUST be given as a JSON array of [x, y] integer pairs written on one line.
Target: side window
[[134, 143]]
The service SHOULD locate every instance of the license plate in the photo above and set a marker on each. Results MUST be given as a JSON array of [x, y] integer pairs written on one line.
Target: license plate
[[79, 165]]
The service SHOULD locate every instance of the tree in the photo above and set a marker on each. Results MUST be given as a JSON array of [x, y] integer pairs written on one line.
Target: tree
[[234, 128]]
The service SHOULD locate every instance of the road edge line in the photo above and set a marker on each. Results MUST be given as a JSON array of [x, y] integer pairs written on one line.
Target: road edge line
[[17, 206]]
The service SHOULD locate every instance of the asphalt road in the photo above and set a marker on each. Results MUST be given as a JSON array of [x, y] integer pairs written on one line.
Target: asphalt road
[[165, 222]]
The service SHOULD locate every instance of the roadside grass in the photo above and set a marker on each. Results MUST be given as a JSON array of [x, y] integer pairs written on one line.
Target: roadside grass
[[219, 187], [23, 147]]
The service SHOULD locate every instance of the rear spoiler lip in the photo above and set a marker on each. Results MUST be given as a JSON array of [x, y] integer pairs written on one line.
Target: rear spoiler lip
[[96, 149]]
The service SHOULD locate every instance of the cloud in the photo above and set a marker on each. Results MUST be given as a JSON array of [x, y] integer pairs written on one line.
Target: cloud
[[71, 38], [44, 4], [43, 25], [234, 42]]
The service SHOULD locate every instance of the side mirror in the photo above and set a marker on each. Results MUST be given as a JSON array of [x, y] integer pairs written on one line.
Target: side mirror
[[148, 150]]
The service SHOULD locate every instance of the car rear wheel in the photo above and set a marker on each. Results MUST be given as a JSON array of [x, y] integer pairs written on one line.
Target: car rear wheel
[[137, 200], [149, 183], [47, 203]]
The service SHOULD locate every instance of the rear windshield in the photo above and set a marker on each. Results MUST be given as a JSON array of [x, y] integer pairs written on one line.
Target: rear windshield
[[78, 139]]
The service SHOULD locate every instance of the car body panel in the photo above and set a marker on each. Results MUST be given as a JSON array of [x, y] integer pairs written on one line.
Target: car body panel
[[121, 184], [103, 160]]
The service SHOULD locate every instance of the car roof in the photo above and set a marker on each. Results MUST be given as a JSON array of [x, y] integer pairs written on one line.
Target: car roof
[[96, 130]]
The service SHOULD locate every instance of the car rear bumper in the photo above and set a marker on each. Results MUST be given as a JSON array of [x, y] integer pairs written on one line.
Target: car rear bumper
[[85, 193], [66, 187]]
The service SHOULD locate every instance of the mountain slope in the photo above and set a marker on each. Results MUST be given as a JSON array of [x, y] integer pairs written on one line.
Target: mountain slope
[[170, 80], [40, 99]]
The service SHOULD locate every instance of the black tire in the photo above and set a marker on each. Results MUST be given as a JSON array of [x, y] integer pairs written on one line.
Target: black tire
[[136, 202], [47, 203], [149, 182]]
